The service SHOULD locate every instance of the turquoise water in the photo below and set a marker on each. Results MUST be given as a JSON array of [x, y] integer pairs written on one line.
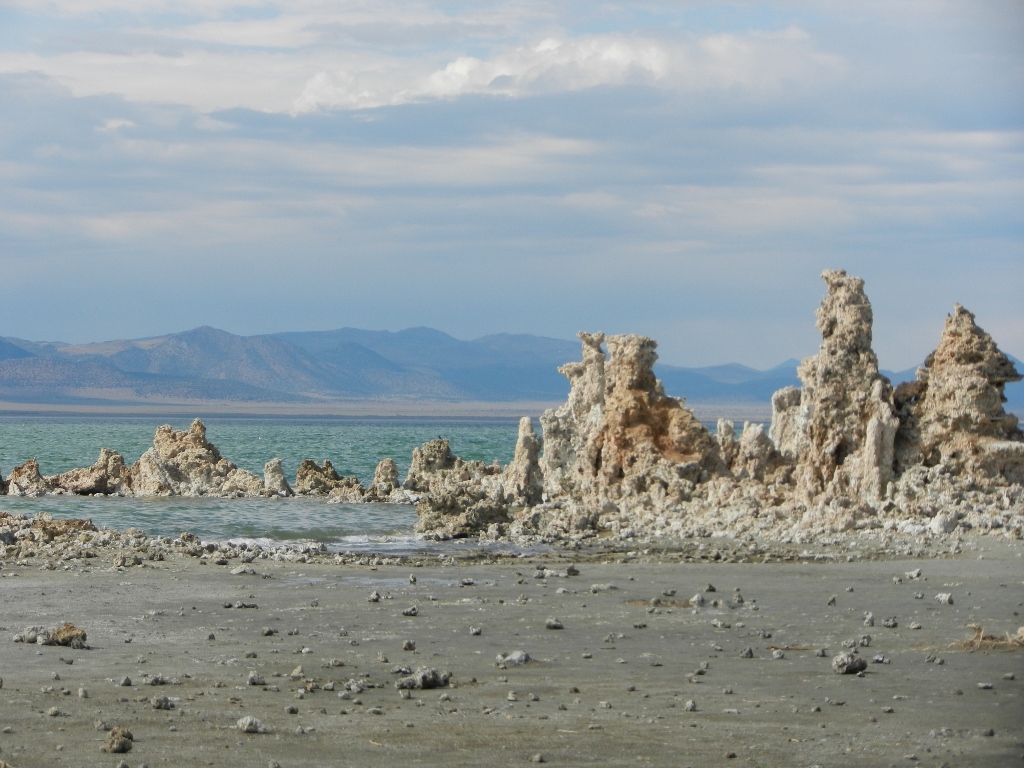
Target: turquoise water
[[354, 446]]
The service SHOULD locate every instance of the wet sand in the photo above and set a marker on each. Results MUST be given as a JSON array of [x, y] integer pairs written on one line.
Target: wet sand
[[610, 688]]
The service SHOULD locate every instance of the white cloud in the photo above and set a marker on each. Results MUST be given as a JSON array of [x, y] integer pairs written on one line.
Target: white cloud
[[114, 124], [759, 63], [310, 55], [733, 156]]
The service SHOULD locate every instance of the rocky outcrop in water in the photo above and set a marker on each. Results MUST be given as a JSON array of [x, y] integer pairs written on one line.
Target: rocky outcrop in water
[[108, 475], [274, 481], [385, 485], [26, 480], [457, 497], [180, 463], [432, 457], [844, 453], [184, 463], [314, 480]]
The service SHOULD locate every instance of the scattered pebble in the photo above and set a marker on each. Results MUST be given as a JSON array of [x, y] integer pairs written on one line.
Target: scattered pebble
[[515, 657], [250, 724], [848, 664], [118, 741]]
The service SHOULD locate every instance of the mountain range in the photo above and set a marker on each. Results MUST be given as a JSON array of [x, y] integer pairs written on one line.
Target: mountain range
[[207, 364]]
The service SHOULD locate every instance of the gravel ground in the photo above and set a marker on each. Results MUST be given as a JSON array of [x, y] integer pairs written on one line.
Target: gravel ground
[[638, 674]]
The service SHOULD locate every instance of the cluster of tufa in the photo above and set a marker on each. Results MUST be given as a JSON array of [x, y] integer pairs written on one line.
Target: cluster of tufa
[[845, 452], [185, 463]]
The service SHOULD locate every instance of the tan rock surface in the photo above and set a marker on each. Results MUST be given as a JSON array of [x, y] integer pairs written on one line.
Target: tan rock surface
[[385, 481], [522, 479], [842, 430], [953, 413], [274, 481], [108, 475], [184, 463], [311, 479], [26, 480]]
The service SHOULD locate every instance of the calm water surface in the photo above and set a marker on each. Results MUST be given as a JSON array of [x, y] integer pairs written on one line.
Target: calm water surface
[[354, 446]]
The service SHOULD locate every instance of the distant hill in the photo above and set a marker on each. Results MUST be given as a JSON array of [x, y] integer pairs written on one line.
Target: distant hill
[[346, 364], [727, 383]]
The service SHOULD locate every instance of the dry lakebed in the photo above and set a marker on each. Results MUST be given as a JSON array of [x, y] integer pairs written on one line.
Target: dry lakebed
[[633, 659]]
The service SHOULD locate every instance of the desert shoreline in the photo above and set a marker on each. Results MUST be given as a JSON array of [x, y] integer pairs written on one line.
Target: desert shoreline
[[369, 409], [611, 687]]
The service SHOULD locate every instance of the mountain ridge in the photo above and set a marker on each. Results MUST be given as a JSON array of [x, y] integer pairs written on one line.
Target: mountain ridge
[[207, 363]]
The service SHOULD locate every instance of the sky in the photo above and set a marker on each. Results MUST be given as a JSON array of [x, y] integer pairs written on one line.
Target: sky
[[682, 170]]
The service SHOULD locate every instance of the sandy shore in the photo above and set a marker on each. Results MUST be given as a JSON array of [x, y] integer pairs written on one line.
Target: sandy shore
[[609, 688]]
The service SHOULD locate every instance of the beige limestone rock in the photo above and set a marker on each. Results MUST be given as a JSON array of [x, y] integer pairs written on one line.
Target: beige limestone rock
[[118, 741], [348, 491], [953, 414], [26, 480], [458, 498], [522, 478], [274, 481], [108, 475], [841, 431], [68, 634], [620, 446], [184, 463], [385, 480], [433, 456], [313, 480]]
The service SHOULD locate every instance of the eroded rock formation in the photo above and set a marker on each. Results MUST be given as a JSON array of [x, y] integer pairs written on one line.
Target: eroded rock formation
[[620, 447], [843, 453], [184, 463], [385, 481], [314, 480], [432, 457], [108, 475], [274, 481], [457, 497], [180, 463], [26, 480], [522, 478], [953, 413], [841, 431]]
